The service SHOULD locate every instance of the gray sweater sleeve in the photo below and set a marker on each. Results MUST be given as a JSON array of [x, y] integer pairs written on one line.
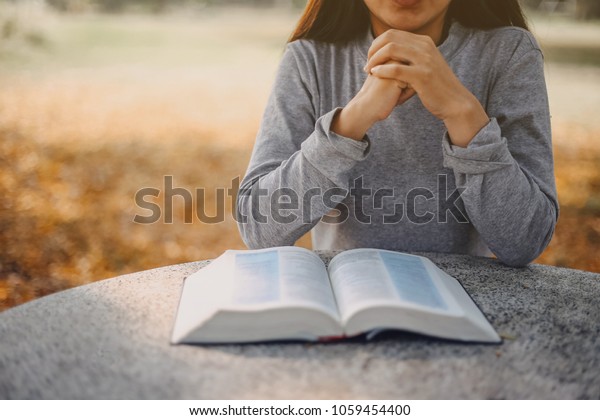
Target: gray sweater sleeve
[[298, 171], [507, 170]]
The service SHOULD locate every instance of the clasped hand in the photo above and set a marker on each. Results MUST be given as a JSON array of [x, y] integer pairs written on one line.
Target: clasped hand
[[401, 64], [415, 61]]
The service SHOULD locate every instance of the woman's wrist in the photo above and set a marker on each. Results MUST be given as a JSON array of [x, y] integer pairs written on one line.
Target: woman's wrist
[[466, 120], [350, 122]]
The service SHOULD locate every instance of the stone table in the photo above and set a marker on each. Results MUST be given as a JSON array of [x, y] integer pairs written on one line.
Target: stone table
[[110, 340]]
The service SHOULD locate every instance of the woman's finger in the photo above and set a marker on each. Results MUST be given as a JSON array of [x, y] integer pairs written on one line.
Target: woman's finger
[[406, 95], [405, 54], [394, 70], [401, 84], [398, 37], [392, 35], [378, 43]]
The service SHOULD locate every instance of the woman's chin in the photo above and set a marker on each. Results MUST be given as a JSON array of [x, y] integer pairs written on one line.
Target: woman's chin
[[407, 3], [406, 25]]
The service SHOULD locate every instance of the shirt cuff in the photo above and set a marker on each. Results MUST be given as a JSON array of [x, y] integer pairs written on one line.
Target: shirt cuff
[[332, 154], [487, 152]]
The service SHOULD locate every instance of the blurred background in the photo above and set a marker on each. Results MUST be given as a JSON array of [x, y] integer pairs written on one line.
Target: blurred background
[[100, 98]]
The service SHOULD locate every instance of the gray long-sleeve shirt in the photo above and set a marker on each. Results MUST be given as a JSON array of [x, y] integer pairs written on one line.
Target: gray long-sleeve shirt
[[405, 187]]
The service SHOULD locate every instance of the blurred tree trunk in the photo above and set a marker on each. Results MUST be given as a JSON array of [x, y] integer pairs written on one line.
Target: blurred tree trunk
[[587, 9], [73, 6], [532, 4], [112, 6]]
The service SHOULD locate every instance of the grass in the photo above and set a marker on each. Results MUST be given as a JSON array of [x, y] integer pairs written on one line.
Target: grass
[[107, 105]]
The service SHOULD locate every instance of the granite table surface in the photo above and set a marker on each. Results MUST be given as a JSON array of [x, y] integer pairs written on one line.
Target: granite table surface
[[110, 340]]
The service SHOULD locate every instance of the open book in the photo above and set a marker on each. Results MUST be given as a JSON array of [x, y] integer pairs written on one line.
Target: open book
[[288, 293]]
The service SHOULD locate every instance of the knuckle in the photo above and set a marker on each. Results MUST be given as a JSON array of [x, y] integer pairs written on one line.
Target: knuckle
[[390, 48], [389, 34], [426, 42], [382, 54]]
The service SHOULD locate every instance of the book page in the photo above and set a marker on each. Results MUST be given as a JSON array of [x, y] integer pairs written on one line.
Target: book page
[[411, 280], [204, 292], [359, 279], [378, 290], [369, 277], [304, 279], [265, 294], [256, 278], [286, 276]]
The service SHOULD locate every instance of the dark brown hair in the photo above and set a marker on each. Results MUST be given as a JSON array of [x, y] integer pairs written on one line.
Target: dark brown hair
[[340, 21]]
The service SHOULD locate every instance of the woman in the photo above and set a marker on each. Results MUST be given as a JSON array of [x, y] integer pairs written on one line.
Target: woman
[[412, 125]]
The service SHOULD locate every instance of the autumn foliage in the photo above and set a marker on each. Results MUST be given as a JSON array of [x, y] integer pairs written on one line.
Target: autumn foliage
[[82, 129]]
